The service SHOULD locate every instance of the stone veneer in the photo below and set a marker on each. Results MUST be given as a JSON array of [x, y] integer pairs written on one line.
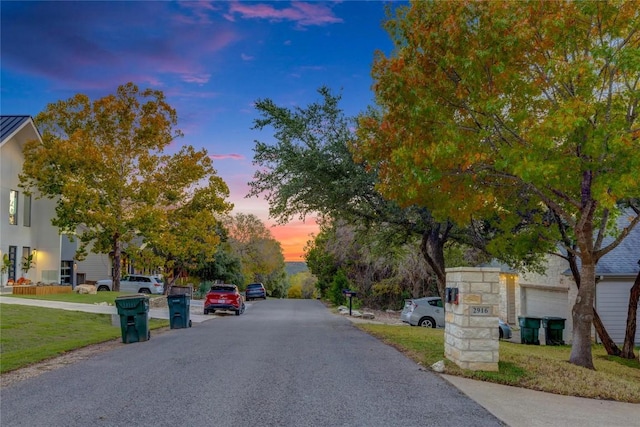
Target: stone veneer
[[472, 340]]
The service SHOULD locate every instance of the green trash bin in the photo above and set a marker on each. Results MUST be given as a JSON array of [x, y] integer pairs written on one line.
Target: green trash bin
[[529, 327], [179, 307], [553, 330], [134, 317]]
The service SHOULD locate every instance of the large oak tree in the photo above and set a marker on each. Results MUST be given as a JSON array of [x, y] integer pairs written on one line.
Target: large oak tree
[[489, 106], [104, 164], [309, 169]]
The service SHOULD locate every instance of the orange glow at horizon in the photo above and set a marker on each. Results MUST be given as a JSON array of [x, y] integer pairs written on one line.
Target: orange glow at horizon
[[293, 237]]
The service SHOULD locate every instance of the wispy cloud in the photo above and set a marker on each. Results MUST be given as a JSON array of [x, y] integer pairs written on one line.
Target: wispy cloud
[[200, 78], [230, 156], [107, 42], [303, 14], [196, 12], [246, 57]]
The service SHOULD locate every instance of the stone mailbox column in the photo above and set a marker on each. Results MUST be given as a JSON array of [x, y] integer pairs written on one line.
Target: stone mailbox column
[[471, 336]]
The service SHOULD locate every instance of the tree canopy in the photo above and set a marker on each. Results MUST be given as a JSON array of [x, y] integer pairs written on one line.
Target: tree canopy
[[310, 169], [261, 255], [487, 108], [103, 163]]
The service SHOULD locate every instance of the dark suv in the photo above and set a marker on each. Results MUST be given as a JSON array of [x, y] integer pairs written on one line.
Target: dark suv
[[255, 290]]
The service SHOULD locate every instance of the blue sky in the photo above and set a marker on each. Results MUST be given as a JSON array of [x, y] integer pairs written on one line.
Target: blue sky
[[212, 60]]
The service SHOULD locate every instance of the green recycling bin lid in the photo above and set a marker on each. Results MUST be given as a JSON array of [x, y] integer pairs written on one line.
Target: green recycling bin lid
[[130, 301]]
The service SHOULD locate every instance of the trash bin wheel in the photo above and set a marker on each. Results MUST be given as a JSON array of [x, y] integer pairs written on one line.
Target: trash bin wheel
[[189, 322], [148, 335]]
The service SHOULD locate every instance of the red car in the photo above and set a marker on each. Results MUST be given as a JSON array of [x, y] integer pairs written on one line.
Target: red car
[[224, 297]]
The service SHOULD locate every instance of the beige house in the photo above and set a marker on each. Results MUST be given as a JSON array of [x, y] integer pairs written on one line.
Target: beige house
[[554, 293]]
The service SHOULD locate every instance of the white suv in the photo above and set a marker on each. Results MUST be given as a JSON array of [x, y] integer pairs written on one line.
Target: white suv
[[134, 283]]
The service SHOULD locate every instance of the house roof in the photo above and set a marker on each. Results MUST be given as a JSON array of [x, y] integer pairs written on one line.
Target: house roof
[[624, 259], [9, 125]]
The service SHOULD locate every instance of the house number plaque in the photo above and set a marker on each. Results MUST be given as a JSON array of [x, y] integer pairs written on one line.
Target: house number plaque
[[479, 310]]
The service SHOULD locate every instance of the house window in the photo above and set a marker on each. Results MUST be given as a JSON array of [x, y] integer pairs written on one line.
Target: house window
[[13, 207], [66, 270], [26, 215], [12, 258]]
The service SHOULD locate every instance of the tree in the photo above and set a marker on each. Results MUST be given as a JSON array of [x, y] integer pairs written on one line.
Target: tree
[[632, 312], [306, 282], [311, 170], [487, 108], [188, 233], [261, 254], [28, 263], [103, 163], [5, 264], [340, 282], [321, 263], [225, 266]]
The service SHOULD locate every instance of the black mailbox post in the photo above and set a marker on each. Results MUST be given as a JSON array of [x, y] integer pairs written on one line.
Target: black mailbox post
[[349, 294]]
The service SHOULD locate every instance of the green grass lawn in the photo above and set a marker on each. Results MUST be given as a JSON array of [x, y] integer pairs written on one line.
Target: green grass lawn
[[544, 368], [33, 334]]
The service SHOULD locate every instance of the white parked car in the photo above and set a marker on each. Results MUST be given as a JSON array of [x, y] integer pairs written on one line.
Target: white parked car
[[134, 283]]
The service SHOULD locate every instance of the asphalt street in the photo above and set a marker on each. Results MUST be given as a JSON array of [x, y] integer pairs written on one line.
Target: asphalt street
[[281, 363]]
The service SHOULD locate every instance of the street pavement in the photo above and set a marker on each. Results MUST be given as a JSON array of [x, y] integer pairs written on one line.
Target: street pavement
[[516, 407]]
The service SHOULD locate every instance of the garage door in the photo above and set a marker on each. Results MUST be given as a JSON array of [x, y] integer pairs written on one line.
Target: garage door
[[542, 302], [612, 303]]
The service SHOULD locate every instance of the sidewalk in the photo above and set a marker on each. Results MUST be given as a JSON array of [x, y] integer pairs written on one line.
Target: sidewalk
[[195, 312], [521, 407]]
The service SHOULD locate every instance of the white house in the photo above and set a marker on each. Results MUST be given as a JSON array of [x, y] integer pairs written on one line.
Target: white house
[[25, 221], [554, 293]]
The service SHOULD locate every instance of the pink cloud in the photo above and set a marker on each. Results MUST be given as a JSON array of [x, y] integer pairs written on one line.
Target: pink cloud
[[232, 156], [303, 14], [200, 78], [198, 12]]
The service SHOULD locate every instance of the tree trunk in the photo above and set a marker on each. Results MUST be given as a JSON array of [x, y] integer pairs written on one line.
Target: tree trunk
[[582, 312], [168, 282], [609, 345], [432, 247], [117, 255], [632, 312]]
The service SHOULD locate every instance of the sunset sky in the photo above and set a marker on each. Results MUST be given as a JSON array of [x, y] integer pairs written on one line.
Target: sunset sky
[[212, 60]]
